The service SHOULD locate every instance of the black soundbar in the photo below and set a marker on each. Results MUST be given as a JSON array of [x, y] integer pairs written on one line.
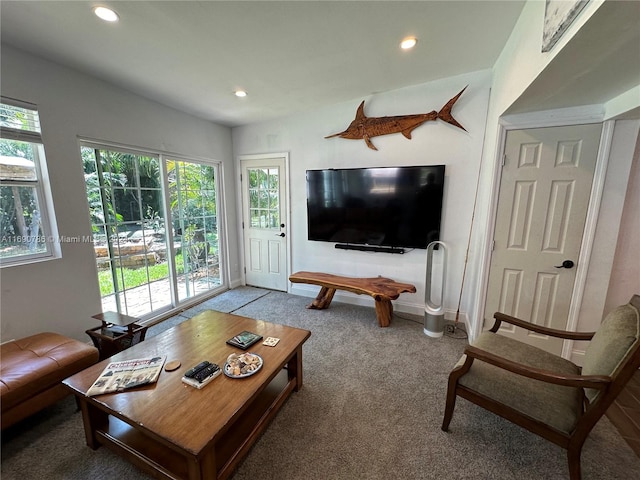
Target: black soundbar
[[369, 248]]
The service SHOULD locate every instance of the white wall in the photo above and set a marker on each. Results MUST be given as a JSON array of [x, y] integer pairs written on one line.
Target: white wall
[[608, 228], [625, 277], [432, 143], [518, 65], [61, 295]]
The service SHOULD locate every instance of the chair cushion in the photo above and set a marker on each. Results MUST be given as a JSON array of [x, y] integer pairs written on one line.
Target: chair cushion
[[555, 405], [617, 334]]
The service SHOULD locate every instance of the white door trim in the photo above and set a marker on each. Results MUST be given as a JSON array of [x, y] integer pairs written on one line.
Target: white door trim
[[287, 213], [524, 122], [593, 210]]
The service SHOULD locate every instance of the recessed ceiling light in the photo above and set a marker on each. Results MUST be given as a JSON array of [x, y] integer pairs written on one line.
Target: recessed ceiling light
[[106, 14], [240, 93], [408, 43]]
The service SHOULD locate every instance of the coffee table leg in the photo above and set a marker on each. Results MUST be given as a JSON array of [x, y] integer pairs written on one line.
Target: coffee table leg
[[203, 469], [92, 419], [294, 368]]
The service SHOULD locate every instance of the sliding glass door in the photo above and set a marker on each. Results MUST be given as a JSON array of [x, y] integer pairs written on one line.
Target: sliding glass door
[[193, 205], [155, 229]]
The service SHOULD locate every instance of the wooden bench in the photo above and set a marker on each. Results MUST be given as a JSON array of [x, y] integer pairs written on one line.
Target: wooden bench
[[383, 290]]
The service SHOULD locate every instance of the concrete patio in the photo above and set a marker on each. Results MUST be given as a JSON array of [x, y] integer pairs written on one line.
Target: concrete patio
[[141, 301]]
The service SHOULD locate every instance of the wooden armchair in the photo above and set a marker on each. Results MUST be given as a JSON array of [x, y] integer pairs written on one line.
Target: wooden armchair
[[543, 393]]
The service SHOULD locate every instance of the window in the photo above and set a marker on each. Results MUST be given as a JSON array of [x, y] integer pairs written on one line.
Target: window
[[264, 195], [26, 215]]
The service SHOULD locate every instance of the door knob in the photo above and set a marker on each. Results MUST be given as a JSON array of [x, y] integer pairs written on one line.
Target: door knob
[[280, 234], [566, 264]]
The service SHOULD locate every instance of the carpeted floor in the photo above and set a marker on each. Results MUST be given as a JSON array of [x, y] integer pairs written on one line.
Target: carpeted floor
[[371, 408]]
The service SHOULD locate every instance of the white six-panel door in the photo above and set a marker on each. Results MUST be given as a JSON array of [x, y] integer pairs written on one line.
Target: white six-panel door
[[544, 194]]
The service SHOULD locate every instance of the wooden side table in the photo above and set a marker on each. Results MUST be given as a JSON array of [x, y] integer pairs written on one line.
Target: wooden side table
[[117, 333]]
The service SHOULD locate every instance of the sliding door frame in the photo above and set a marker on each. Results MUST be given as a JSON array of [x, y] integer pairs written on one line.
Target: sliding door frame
[[163, 157]]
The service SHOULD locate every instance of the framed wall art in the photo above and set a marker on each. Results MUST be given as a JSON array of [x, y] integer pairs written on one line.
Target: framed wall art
[[558, 15]]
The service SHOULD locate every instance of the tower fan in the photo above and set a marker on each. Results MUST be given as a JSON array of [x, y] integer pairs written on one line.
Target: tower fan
[[434, 312]]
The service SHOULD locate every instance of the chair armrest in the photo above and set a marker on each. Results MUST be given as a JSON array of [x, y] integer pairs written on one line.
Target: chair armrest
[[599, 382], [502, 317]]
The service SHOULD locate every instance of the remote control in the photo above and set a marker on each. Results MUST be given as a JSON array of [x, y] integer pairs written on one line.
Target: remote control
[[191, 373], [206, 372], [206, 379]]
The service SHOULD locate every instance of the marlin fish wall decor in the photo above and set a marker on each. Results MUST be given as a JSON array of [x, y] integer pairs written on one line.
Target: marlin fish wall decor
[[365, 128]]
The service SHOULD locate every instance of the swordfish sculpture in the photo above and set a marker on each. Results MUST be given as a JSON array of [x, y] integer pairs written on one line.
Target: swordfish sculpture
[[364, 127]]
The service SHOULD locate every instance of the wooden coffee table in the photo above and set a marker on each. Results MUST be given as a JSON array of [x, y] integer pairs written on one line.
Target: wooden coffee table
[[174, 431]]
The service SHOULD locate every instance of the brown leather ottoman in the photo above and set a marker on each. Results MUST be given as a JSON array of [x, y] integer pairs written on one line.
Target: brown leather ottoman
[[32, 368]]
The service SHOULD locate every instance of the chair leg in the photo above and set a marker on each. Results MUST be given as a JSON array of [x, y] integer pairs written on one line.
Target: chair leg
[[452, 387], [573, 455], [451, 403]]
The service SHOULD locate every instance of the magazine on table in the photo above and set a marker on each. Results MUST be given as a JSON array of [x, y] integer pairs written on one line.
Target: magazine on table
[[127, 374]]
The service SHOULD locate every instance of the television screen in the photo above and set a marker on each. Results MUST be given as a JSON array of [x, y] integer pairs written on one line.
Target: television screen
[[388, 206]]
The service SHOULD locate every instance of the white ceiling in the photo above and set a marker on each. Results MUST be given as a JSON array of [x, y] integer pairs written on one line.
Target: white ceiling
[[289, 56], [299, 55]]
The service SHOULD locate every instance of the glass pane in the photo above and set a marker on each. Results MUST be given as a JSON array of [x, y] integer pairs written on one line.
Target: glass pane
[[105, 279], [193, 210], [130, 245], [262, 178], [254, 215], [19, 118], [264, 211], [274, 220], [17, 160], [20, 222], [105, 162], [273, 178], [253, 178]]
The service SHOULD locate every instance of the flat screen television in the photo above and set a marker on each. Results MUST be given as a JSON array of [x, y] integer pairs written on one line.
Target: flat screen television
[[388, 206]]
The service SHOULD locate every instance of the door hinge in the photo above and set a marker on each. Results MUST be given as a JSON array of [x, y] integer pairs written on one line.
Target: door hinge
[[504, 159], [241, 177], [493, 245]]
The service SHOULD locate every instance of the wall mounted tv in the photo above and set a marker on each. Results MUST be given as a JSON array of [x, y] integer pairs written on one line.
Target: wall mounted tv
[[379, 209]]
